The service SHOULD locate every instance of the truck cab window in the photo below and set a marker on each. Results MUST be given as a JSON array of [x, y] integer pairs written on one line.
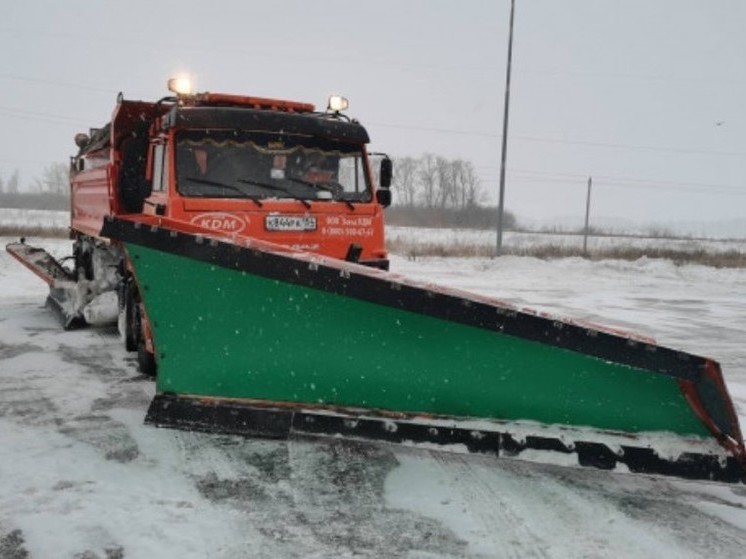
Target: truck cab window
[[229, 164], [160, 169]]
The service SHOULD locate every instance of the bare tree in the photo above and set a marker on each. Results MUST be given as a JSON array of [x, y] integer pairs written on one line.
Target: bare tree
[[406, 180], [467, 188], [11, 186], [54, 180], [429, 180], [445, 193]]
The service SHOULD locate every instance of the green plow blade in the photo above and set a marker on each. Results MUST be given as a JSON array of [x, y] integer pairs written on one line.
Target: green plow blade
[[256, 339]]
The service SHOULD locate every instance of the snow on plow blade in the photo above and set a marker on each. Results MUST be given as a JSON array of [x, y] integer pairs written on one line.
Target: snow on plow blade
[[256, 339], [60, 280]]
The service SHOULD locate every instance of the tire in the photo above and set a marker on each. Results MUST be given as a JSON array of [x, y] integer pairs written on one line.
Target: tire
[[83, 261], [145, 360]]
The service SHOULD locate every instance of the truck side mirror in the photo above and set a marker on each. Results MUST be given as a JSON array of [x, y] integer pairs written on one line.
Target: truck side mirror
[[383, 197], [387, 172]]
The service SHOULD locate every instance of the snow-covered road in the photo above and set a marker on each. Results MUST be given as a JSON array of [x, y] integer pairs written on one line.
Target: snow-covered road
[[81, 476]]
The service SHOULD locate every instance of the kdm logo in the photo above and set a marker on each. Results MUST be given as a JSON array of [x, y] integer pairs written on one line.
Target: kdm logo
[[220, 222]]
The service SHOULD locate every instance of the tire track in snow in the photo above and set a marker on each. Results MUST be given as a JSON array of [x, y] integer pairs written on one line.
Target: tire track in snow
[[24, 404], [311, 497], [251, 477], [670, 510], [509, 508], [54, 383], [501, 521], [338, 488]]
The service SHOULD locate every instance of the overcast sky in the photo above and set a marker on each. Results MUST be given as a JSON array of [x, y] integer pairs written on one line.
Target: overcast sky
[[647, 96]]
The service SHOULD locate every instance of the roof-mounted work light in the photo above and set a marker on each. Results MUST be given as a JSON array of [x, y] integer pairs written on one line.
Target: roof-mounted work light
[[181, 85], [337, 103]]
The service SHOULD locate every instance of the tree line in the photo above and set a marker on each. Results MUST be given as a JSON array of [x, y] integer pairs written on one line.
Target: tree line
[[434, 191], [432, 181], [50, 191], [430, 191]]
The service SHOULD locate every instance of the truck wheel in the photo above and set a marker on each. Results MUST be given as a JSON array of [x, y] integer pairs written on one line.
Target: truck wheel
[[131, 323], [145, 360]]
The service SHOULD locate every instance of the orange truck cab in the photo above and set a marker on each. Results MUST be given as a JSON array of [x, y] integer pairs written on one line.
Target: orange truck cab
[[263, 168]]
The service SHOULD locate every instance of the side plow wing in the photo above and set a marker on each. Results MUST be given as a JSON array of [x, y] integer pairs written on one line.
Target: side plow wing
[[62, 284], [256, 339]]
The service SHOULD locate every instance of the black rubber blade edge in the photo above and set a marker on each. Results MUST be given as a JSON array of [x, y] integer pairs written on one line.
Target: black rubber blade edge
[[69, 322], [208, 416], [226, 417]]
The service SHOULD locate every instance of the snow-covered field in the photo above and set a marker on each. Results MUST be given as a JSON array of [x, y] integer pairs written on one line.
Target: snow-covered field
[[81, 476], [415, 237], [36, 218]]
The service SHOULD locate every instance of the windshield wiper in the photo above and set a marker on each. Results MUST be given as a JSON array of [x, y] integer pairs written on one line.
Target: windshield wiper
[[277, 188], [326, 186], [218, 184]]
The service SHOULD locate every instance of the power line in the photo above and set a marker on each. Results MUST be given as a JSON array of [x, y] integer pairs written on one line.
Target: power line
[[491, 66], [32, 115], [630, 146], [17, 161], [630, 76], [438, 130], [538, 139], [561, 141], [581, 177], [649, 187], [69, 85]]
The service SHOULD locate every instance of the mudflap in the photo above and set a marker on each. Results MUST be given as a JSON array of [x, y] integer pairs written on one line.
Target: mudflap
[[286, 421]]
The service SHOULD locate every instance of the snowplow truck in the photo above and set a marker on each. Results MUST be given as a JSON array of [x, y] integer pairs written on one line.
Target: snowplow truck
[[239, 243]]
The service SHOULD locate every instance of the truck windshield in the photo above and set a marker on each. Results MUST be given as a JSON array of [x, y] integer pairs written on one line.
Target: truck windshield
[[233, 164]]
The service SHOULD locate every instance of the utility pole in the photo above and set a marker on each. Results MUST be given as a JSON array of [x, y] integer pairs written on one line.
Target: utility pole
[[587, 215], [501, 200]]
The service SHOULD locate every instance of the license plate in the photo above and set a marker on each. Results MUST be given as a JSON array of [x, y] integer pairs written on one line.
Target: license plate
[[290, 223]]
